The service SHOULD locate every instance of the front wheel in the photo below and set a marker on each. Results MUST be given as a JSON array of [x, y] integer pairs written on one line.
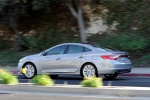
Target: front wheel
[[30, 70], [111, 76], [89, 70]]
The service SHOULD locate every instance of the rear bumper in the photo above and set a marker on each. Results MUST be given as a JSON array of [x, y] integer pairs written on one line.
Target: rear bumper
[[119, 69]]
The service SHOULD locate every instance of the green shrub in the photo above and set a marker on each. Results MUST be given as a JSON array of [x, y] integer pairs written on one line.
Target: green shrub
[[127, 42], [43, 80], [92, 82], [145, 60], [7, 78], [132, 42], [43, 41]]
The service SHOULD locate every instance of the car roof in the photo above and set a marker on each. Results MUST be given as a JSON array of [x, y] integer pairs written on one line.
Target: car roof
[[81, 44]]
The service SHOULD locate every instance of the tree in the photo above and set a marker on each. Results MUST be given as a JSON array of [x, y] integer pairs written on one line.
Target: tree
[[13, 10], [10, 13], [75, 6]]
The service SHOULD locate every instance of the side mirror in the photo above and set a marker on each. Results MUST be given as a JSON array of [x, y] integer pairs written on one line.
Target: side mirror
[[44, 53]]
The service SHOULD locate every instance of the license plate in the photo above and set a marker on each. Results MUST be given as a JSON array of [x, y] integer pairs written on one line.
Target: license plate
[[124, 59]]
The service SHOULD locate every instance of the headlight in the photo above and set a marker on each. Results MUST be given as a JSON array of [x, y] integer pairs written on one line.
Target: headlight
[[22, 59]]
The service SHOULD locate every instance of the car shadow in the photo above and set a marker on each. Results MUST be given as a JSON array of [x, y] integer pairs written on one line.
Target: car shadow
[[80, 78]]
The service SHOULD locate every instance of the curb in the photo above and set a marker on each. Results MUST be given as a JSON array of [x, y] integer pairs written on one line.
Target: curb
[[78, 90], [135, 74], [14, 72]]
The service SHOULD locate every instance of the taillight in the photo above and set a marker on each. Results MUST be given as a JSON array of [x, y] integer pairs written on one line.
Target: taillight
[[111, 57]]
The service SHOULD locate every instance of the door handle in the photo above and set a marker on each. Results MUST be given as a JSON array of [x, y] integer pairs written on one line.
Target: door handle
[[58, 58], [81, 57]]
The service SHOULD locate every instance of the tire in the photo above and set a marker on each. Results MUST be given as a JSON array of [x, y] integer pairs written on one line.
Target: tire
[[31, 70], [111, 76], [89, 70]]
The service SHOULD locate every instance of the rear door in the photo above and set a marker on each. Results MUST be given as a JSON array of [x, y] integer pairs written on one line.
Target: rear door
[[73, 58]]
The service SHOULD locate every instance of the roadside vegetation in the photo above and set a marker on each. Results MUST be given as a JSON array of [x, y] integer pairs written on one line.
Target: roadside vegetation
[[92, 82], [43, 80], [7, 78]]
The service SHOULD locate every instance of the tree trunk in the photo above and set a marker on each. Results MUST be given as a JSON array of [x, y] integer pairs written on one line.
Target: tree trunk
[[81, 23], [79, 16]]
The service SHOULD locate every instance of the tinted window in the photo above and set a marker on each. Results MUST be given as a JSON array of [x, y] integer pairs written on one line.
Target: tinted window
[[87, 49], [56, 50], [75, 49]]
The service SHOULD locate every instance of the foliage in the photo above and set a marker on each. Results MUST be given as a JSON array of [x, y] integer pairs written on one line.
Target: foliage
[[127, 42], [7, 78], [43, 80], [48, 39], [2, 44], [145, 60], [11, 58], [132, 42], [132, 15], [92, 82]]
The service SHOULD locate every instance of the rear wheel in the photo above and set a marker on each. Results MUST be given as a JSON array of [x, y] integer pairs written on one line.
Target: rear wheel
[[89, 70], [111, 76], [30, 70]]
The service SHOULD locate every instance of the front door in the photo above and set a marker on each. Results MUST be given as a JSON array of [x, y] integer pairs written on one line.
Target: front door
[[52, 61]]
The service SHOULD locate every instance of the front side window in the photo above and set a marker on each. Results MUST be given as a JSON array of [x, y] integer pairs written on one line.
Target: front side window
[[56, 50], [75, 49]]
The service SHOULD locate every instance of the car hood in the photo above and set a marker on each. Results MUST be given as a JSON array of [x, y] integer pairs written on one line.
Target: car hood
[[35, 55]]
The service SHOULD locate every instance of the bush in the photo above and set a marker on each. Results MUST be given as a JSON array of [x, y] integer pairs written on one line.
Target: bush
[[132, 42], [127, 42], [43, 80], [7, 78], [145, 60], [43, 41], [92, 82]]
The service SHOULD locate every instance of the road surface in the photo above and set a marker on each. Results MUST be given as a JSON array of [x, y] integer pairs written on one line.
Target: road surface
[[119, 81]]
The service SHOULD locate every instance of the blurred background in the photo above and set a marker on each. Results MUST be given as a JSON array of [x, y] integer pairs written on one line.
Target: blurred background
[[31, 26]]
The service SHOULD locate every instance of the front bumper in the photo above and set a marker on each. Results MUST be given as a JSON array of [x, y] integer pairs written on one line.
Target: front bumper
[[19, 68]]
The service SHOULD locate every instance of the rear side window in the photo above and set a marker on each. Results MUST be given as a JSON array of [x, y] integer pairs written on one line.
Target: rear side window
[[87, 49], [75, 49]]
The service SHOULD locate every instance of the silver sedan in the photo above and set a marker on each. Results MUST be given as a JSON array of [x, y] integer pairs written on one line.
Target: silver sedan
[[86, 60]]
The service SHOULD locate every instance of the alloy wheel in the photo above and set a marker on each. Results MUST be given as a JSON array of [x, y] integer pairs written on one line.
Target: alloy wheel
[[89, 70], [31, 70]]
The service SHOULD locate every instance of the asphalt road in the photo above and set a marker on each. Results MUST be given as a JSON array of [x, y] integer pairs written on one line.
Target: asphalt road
[[119, 81]]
